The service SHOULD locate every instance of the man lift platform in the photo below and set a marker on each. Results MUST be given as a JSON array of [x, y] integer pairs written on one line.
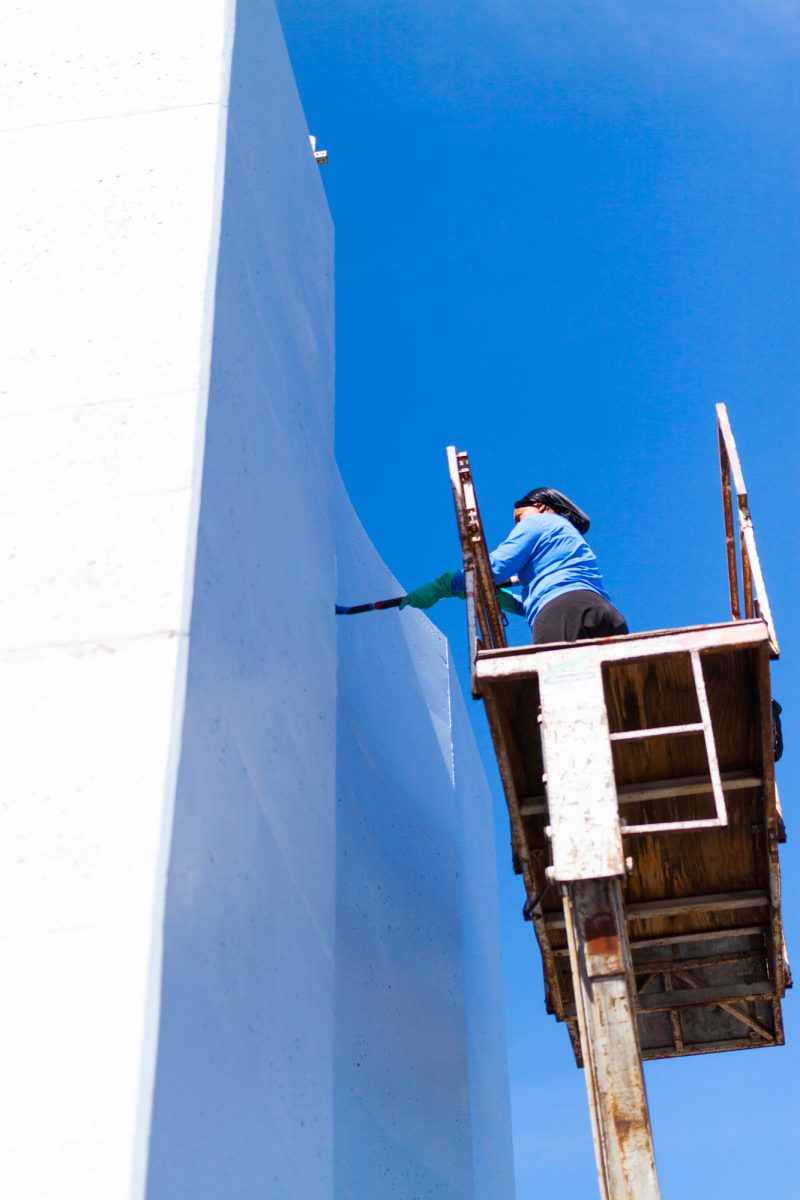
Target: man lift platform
[[639, 773]]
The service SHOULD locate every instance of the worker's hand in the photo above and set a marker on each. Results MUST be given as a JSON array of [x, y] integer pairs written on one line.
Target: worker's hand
[[509, 602], [427, 595]]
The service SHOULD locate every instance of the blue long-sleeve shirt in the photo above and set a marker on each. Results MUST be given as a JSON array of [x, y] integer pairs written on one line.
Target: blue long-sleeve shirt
[[549, 556]]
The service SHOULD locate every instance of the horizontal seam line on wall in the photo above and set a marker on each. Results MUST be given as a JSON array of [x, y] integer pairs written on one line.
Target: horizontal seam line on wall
[[114, 116], [8, 653], [81, 405]]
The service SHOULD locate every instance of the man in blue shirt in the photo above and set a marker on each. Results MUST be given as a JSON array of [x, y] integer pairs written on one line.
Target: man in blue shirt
[[562, 588]]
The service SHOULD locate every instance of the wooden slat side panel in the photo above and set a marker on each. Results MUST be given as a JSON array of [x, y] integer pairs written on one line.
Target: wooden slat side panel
[[701, 862], [725, 945], [654, 1054], [716, 1024], [648, 692], [528, 851]]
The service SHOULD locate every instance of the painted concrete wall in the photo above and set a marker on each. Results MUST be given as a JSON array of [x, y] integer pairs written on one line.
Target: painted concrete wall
[[205, 762], [420, 1082], [243, 1100], [110, 126], [331, 1018]]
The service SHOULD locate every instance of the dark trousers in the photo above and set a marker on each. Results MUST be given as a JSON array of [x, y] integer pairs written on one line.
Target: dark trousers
[[576, 616]]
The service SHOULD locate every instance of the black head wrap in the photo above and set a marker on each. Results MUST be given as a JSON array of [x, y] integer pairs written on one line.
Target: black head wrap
[[559, 503]]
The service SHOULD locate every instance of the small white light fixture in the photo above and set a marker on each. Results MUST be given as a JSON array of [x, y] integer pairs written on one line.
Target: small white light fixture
[[320, 155]]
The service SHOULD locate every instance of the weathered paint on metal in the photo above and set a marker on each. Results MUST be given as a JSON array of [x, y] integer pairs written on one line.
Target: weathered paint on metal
[[708, 735], [520, 661], [730, 541], [581, 793], [488, 617], [603, 971], [752, 577]]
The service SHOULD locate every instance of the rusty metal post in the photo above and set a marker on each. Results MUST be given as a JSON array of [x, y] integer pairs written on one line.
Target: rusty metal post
[[747, 573], [588, 863], [730, 540], [602, 970], [752, 577], [484, 619]]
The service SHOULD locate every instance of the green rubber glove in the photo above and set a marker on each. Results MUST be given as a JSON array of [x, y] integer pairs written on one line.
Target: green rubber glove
[[509, 602], [427, 595]]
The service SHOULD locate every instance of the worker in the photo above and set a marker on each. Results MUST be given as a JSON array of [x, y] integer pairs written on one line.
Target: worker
[[562, 589]]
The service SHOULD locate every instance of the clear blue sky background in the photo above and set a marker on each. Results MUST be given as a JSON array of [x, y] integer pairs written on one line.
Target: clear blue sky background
[[564, 231]]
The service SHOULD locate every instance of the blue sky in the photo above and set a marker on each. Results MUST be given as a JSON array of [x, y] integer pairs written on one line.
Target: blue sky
[[565, 230]]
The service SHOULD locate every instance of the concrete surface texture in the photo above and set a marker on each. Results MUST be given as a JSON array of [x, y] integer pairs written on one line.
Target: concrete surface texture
[[247, 865], [113, 136]]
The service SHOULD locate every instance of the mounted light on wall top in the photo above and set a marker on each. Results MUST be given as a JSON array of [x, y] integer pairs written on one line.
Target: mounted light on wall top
[[320, 155]]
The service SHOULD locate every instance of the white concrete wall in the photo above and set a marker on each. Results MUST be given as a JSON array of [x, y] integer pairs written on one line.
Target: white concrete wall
[[243, 1101], [420, 1083], [329, 1021], [110, 129]]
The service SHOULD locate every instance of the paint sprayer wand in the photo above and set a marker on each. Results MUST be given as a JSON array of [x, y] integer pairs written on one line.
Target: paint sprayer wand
[[349, 610], [344, 610]]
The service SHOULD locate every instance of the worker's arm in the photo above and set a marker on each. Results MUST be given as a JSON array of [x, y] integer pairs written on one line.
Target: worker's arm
[[507, 560], [509, 603], [427, 595], [442, 588]]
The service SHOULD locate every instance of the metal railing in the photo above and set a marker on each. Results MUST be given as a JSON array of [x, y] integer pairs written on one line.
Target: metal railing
[[484, 618], [753, 591]]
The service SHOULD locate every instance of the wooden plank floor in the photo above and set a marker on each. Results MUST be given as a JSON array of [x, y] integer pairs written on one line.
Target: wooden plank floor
[[702, 906]]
